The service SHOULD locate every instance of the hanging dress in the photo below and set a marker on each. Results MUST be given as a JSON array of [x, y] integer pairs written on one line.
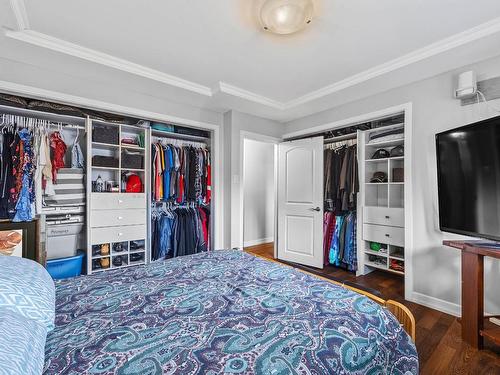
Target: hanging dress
[[58, 151]]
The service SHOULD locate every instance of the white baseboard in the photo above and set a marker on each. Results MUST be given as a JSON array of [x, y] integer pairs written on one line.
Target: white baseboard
[[259, 241], [440, 305], [437, 304]]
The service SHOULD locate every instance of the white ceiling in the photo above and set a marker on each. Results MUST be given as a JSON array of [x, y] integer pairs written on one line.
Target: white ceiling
[[215, 48]]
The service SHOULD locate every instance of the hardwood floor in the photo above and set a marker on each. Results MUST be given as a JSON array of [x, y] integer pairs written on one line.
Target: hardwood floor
[[440, 347]]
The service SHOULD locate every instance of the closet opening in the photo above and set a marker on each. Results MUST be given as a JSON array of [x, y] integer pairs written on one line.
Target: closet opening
[[95, 186], [352, 220], [181, 192], [258, 194]]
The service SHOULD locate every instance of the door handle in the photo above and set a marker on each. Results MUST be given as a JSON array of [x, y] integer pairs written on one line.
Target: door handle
[[317, 209]]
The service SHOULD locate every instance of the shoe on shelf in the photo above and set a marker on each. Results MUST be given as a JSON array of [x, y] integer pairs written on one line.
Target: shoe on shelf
[[117, 261], [136, 257]]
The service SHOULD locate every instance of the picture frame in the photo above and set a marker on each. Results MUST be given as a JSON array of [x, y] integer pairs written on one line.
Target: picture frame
[[20, 239]]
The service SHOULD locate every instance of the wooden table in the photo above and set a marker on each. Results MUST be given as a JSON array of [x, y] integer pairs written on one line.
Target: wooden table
[[475, 327]]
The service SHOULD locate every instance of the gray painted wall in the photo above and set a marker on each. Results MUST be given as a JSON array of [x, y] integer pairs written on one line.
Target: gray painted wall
[[258, 191], [436, 268]]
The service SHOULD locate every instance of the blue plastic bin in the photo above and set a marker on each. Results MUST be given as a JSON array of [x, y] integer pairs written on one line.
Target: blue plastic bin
[[64, 268]]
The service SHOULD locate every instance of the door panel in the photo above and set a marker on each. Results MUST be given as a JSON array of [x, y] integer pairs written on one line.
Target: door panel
[[300, 201], [299, 176]]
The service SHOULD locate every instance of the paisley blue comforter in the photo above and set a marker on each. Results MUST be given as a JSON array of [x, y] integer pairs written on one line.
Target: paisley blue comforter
[[221, 312]]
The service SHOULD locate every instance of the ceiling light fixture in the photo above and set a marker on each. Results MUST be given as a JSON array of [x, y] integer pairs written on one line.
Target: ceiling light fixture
[[286, 16]]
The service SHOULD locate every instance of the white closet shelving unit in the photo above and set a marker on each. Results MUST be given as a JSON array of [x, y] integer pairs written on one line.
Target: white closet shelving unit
[[382, 207], [117, 220]]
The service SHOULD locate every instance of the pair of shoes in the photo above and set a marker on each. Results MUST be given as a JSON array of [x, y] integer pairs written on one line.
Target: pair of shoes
[[136, 245], [117, 261], [135, 257], [104, 262], [118, 247], [96, 250], [105, 249]]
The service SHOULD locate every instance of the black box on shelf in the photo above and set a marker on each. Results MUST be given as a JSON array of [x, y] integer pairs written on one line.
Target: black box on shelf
[[132, 160], [104, 161], [106, 134]]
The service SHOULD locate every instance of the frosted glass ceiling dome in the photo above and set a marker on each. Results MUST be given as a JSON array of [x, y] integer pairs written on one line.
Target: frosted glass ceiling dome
[[286, 16]]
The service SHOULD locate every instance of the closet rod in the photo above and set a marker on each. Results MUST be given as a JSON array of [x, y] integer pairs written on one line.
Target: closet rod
[[341, 138], [55, 117], [28, 122]]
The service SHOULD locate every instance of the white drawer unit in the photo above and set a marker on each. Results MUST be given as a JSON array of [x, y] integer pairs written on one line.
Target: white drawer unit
[[117, 201], [394, 217], [111, 218], [384, 234], [117, 234]]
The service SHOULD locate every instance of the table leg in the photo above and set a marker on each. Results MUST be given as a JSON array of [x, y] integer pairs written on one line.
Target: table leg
[[472, 298]]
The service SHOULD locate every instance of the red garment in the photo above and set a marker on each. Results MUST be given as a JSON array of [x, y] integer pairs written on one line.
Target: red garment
[[58, 148], [209, 184], [328, 229], [204, 224], [180, 198]]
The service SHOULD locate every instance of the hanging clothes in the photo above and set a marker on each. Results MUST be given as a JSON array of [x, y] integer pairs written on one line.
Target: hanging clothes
[[343, 243], [180, 174], [340, 191], [328, 228], [341, 178], [179, 231], [26, 169], [58, 148], [77, 160], [7, 175]]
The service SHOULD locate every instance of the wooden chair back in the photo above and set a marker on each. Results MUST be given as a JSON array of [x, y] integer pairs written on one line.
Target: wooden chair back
[[404, 316]]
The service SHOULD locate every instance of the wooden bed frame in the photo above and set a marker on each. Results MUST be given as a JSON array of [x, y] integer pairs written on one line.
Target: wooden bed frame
[[400, 311]]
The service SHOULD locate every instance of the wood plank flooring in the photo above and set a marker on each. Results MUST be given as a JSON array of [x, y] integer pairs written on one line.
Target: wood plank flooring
[[440, 347]]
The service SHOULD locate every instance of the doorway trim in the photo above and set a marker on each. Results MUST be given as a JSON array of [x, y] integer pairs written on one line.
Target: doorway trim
[[407, 109], [260, 138]]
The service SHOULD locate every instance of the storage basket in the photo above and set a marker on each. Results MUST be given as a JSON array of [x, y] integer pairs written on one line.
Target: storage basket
[[105, 161], [105, 134], [132, 160], [64, 268]]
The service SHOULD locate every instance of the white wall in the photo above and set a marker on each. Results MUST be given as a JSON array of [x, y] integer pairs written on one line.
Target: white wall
[[258, 191], [436, 268], [235, 126]]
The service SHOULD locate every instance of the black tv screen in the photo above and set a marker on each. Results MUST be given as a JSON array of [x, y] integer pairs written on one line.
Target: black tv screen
[[469, 179]]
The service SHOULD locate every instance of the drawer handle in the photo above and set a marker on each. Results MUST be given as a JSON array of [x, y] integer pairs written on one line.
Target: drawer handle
[[120, 234], [387, 217], [387, 235], [120, 217], [120, 201]]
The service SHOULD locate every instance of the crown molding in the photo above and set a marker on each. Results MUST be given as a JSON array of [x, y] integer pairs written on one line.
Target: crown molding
[[20, 14], [441, 46], [228, 89], [55, 44]]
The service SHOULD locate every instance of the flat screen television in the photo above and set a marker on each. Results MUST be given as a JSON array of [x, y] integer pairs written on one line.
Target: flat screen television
[[468, 161]]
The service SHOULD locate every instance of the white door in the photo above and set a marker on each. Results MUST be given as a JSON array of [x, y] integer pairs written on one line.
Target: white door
[[300, 201]]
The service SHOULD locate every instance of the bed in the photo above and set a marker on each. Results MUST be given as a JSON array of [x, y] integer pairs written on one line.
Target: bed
[[221, 312]]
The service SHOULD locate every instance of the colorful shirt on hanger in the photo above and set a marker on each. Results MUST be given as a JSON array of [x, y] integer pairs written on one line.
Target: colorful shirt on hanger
[[58, 151]]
